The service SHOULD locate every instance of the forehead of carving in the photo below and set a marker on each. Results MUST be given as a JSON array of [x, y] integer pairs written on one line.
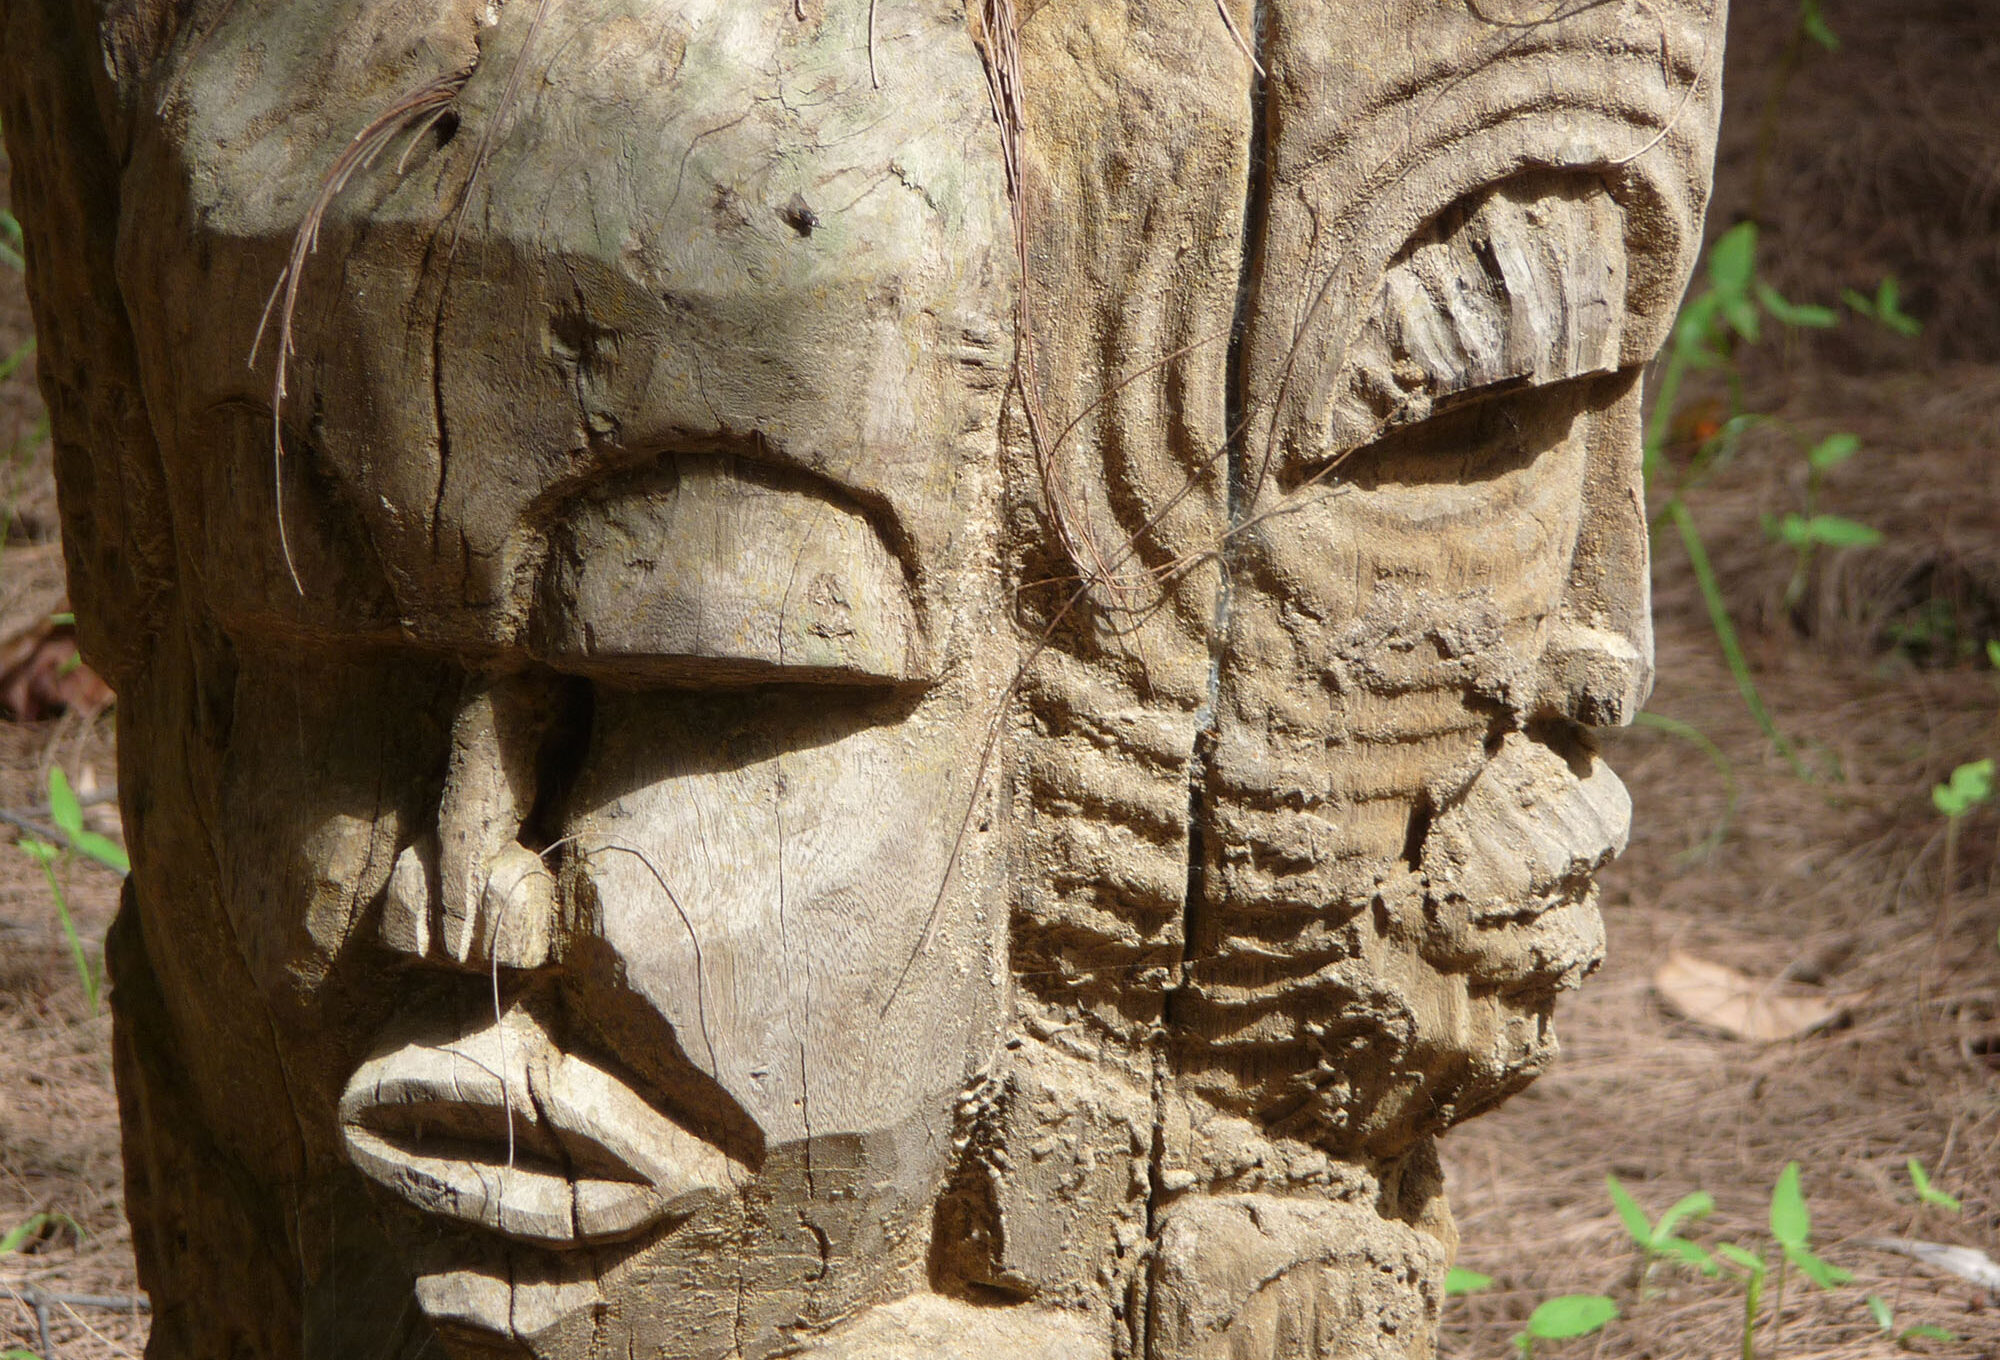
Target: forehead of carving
[[700, 230], [699, 145]]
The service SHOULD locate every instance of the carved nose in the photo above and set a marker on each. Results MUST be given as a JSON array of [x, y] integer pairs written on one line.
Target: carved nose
[[473, 895]]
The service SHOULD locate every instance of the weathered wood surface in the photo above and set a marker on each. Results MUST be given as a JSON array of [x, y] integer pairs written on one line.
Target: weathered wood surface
[[911, 682]]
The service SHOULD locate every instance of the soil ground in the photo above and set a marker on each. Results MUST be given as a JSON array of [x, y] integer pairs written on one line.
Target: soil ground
[[1885, 157]]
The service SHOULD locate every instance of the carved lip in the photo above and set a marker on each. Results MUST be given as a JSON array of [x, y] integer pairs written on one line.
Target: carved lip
[[502, 1130]]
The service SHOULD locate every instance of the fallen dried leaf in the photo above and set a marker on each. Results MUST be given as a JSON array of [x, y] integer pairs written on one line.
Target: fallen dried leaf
[[1716, 995], [49, 677], [1965, 1262]]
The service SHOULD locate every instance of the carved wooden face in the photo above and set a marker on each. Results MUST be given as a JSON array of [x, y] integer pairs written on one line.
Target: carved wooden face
[[722, 803], [618, 652]]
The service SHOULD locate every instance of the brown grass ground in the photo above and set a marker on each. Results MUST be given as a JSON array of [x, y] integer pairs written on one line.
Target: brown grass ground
[[58, 1117], [1887, 157]]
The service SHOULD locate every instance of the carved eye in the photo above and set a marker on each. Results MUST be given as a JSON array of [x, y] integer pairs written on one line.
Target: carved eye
[[1521, 287], [711, 569]]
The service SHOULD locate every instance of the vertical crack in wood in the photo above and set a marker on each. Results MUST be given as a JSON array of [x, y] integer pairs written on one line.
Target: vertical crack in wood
[[1236, 425]]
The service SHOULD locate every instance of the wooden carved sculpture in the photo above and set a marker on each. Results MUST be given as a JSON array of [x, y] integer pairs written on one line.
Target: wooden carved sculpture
[[846, 677]]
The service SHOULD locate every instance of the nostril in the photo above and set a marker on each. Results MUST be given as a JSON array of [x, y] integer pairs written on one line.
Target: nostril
[[565, 747], [1418, 831]]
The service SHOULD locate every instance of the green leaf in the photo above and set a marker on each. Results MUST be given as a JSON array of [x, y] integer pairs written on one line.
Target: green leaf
[[1460, 1281], [10, 240], [1927, 1192], [64, 809], [1744, 318], [1570, 1315], [1993, 654], [1696, 328], [1813, 24], [1629, 1212], [1735, 1255], [1881, 1312], [1732, 262], [1926, 1332], [1889, 310], [1698, 1205], [39, 851], [1818, 1271], [1791, 1222], [16, 1353], [1690, 1253], [1801, 314], [103, 849], [1859, 301], [67, 813], [17, 358], [1970, 785], [12, 1241], [65, 619], [1833, 450], [1789, 530], [1836, 531]]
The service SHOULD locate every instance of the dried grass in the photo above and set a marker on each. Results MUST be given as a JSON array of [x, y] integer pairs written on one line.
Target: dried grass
[[58, 1114]]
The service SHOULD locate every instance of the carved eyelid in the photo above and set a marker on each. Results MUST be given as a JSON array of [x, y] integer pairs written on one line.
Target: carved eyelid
[[709, 571], [1522, 286]]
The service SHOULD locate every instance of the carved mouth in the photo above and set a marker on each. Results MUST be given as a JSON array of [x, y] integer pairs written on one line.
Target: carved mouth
[[502, 1130]]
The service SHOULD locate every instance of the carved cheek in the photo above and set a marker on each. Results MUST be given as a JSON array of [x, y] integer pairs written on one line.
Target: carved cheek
[[761, 879]]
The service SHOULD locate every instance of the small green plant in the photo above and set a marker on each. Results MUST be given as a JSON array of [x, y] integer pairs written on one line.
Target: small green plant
[[1931, 633], [10, 242], [1808, 531], [1729, 310], [1753, 1290], [46, 855], [1970, 785], [1920, 1179], [1885, 1318], [1791, 1224], [67, 813], [18, 357], [15, 1238], [1458, 1281], [1885, 308], [1559, 1319], [1658, 1239]]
